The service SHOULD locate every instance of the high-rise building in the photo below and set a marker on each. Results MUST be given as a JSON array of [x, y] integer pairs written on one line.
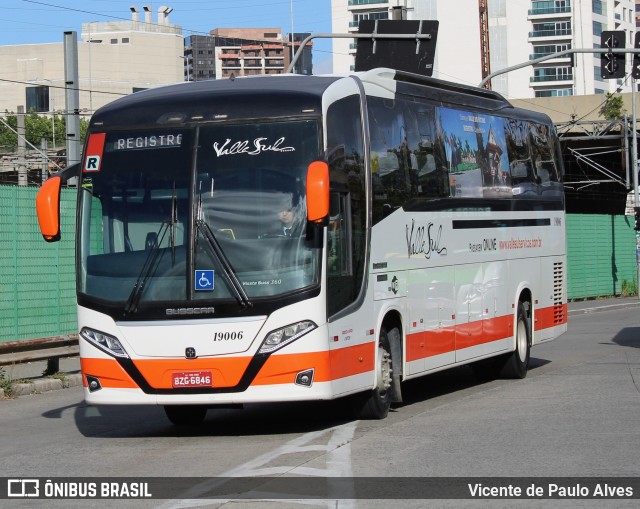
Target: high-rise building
[[230, 52], [517, 32]]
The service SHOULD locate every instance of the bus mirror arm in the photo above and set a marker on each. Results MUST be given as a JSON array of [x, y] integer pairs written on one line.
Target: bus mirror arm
[[69, 172], [314, 233]]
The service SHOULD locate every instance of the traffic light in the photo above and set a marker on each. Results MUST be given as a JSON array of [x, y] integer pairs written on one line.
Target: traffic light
[[636, 215], [635, 67], [612, 64]]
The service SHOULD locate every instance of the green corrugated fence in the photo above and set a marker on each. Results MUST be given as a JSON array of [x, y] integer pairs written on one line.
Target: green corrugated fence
[[601, 252], [37, 290], [37, 279]]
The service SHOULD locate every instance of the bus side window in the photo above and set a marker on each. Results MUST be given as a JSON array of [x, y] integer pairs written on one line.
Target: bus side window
[[339, 233], [523, 182], [432, 171]]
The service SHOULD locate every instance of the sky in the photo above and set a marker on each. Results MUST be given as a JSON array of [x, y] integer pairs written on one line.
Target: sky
[[42, 21]]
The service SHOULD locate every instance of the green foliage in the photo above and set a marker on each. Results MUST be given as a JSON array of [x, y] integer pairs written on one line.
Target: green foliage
[[36, 128], [613, 107], [629, 288], [5, 384]]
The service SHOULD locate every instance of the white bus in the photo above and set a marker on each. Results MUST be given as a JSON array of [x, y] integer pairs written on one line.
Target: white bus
[[431, 234]]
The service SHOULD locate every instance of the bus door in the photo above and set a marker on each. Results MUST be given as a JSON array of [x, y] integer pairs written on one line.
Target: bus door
[[497, 320], [430, 332]]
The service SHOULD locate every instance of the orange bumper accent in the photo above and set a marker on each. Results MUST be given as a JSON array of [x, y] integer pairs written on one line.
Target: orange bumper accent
[[108, 371], [227, 372]]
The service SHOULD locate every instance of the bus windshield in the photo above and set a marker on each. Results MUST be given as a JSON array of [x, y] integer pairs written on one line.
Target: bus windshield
[[209, 214]]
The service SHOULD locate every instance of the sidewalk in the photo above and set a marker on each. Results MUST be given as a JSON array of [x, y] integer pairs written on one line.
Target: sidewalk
[[598, 305], [27, 378]]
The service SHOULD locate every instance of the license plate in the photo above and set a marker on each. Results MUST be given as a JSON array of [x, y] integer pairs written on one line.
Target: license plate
[[192, 379]]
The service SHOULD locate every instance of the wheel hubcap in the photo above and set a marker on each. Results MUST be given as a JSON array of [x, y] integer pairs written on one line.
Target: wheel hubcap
[[384, 371], [521, 341]]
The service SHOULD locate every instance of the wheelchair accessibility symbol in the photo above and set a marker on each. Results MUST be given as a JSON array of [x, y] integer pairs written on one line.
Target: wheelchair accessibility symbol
[[204, 280]]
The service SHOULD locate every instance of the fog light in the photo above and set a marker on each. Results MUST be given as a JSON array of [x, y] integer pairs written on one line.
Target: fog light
[[93, 383], [305, 378]]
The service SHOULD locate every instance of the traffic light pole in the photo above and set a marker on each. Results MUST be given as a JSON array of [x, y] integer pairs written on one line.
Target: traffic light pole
[[634, 144], [634, 168], [558, 54]]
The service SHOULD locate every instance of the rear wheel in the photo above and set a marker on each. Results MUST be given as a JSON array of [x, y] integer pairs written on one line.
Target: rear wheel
[[379, 399], [185, 415], [516, 363]]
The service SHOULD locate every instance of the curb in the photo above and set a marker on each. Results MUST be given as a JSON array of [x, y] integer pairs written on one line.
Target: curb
[[40, 385], [608, 307]]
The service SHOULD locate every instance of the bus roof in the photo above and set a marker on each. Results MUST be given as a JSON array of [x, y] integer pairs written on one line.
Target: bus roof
[[288, 95], [246, 97]]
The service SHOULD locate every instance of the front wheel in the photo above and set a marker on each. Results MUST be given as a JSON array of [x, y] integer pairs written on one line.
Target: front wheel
[[516, 363], [185, 415], [379, 401]]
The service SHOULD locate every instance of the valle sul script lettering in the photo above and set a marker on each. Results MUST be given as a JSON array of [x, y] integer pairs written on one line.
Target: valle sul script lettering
[[422, 240], [252, 149]]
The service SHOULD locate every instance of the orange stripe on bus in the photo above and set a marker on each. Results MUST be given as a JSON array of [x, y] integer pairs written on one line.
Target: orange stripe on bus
[[282, 369], [332, 365], [430, 343], [353, 360], [551, 316], [434, 342], [108, 371]]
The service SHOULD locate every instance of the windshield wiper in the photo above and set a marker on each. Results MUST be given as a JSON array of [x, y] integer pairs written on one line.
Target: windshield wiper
[[227, 269], [149, 267], [155, 255]]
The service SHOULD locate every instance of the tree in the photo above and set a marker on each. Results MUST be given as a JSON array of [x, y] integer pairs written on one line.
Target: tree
[[613, 107], [36, 128]]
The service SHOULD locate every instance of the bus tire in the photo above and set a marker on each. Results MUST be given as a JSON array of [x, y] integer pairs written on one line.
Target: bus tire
[[379, 399], [516, 363], [185, 415]]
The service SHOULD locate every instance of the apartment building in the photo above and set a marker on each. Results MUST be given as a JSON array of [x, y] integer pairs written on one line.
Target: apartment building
[[230, 52], [114, 59], [517, 32]]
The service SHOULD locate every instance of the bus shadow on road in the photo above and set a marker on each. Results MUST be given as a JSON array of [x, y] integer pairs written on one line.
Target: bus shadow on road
[[120, 421], [629, 336], [457, 379]]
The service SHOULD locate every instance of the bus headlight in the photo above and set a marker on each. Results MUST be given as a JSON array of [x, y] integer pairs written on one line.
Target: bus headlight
[[281, 337], [104, 342]]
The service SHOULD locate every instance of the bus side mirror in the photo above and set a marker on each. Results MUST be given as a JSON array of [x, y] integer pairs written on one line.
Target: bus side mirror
[[317, 191], [48, 209]]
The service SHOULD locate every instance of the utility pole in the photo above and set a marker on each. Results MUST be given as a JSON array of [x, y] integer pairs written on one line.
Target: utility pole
[[72, 99], [23, 173], [635, 74], [44, 159]]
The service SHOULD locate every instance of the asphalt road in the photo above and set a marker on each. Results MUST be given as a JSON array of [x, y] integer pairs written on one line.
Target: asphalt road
[[577, 414]]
